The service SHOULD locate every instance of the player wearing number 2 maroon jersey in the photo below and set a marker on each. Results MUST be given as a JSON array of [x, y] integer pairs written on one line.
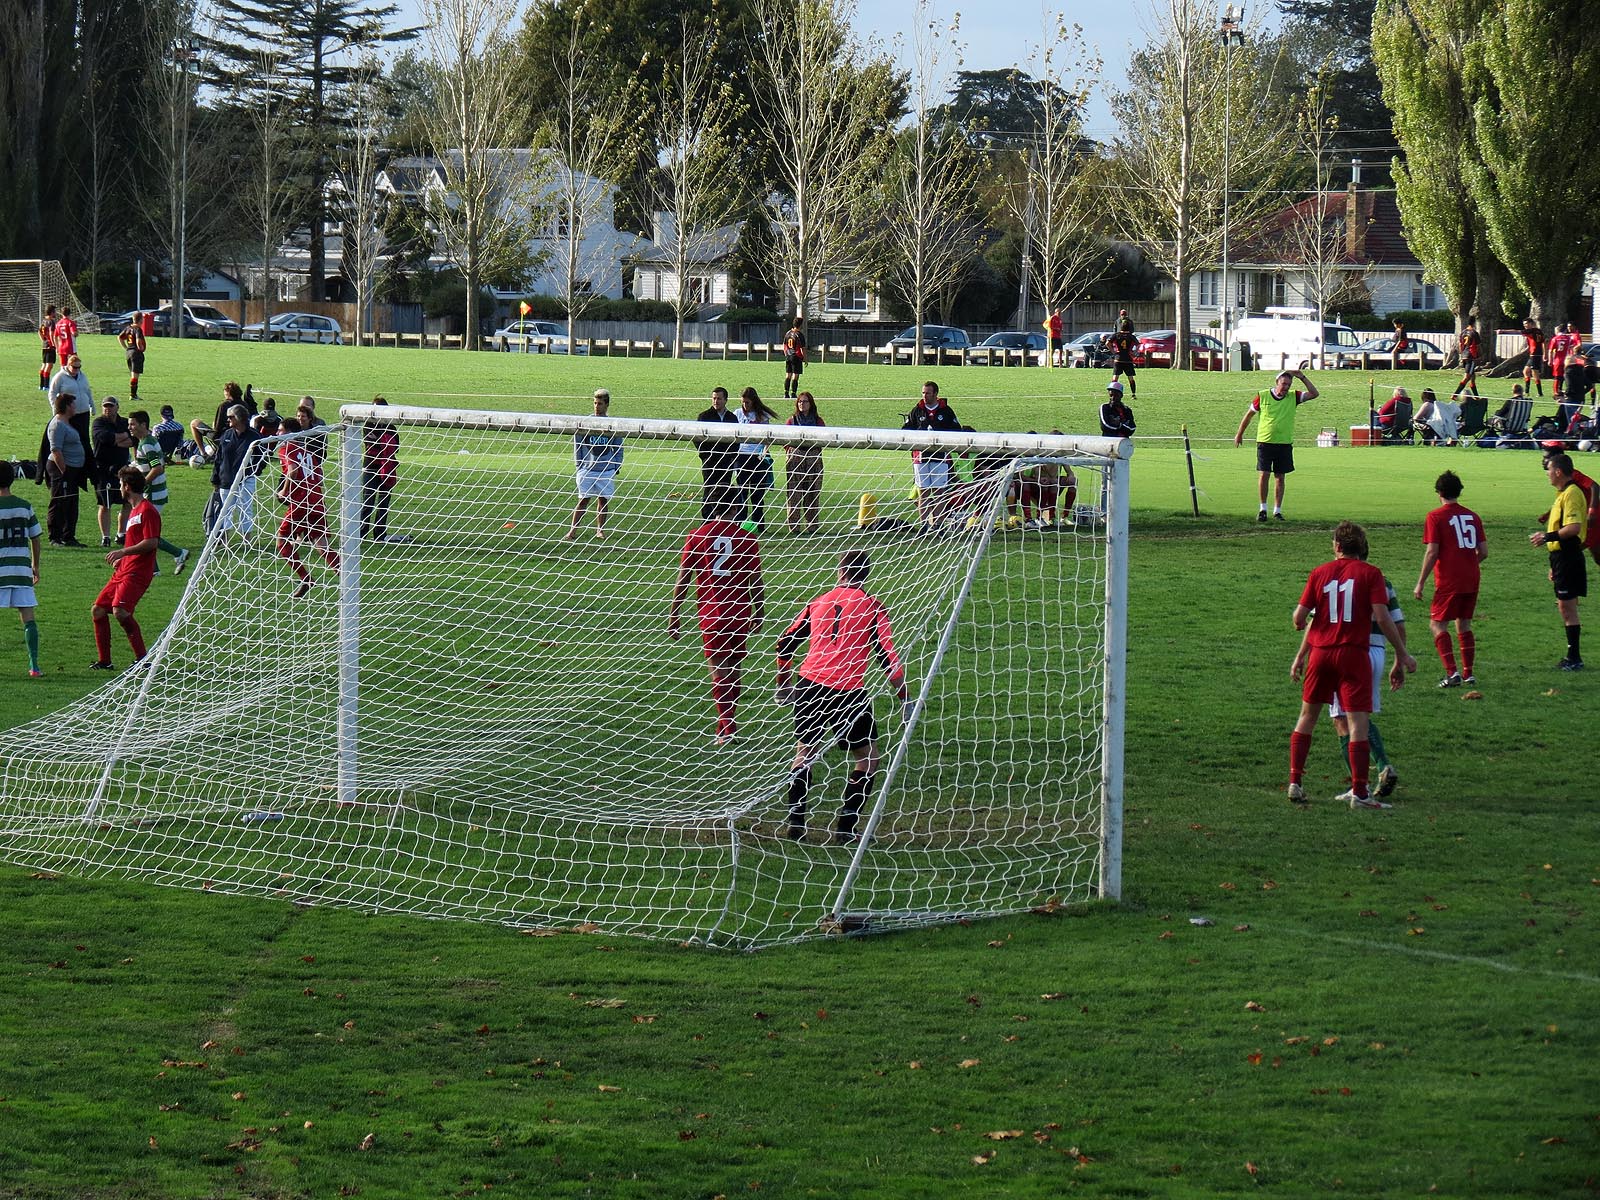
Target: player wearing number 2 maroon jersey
[[1453, 541], [1342, 601], [724, 561]]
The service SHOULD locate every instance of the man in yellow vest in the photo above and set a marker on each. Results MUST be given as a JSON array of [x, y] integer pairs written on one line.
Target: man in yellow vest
[[1275, 434]]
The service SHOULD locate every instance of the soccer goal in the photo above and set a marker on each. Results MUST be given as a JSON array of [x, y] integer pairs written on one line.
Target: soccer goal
[[30, 285], [476, 717]]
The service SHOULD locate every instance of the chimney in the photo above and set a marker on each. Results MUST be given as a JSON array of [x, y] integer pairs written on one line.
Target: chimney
[[1355, 224]]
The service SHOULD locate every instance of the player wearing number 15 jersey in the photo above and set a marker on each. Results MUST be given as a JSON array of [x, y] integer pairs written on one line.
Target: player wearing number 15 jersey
[[1453, 542], [1342, 601], [724, 561]]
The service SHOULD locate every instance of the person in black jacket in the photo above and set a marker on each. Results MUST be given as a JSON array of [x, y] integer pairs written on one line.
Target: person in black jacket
[[1116, 418], [719, 460], [235, 471], [931, 468]]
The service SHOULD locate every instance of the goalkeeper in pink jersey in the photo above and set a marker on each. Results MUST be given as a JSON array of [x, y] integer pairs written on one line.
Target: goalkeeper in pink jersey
[[847, 630]]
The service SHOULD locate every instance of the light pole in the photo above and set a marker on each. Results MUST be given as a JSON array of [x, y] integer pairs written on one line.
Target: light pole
[[1232, 34], [186, 55]]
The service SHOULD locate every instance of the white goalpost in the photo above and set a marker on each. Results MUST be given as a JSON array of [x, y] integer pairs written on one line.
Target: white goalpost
[[475, 716], [28, 286]]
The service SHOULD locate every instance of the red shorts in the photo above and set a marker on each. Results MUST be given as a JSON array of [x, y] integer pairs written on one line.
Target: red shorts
[[304, 525], [1453, 606], [725, 639], [123, 593], [1343, 671]]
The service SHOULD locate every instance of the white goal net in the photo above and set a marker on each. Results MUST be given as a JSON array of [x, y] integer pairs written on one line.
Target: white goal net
[[28, 286], [476, 717]]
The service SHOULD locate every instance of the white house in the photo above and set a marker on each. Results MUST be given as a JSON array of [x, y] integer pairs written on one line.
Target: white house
[[655, 274], [1375, 258]]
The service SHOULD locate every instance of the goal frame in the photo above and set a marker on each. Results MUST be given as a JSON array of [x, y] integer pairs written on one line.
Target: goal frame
[[1114, 453]]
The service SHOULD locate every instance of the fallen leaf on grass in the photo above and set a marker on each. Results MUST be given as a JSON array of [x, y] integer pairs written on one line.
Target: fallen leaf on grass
[[1269, 885], [152, 1143], [687, 1135], [1253, 1059], [645, 1018], [969, 1062], [1472, 695], [1331, 1040], [982, 1160], [1416, 931], [611, 1003], [1228, 887], [1241, 929], [1549, 1141], [1003, 1135], [606, 1087], [368, 1142], [1252, 1168], [995, 945], [1252, 1006], [1056, 996], [1164, 936], [913, 1065], [1294, 1041]]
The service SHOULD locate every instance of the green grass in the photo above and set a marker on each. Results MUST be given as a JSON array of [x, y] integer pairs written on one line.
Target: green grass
[[1424, 980]]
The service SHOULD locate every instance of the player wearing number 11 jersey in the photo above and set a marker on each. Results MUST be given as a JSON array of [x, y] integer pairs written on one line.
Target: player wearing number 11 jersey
[[724, 561], [1454, 545], [1342, 601]]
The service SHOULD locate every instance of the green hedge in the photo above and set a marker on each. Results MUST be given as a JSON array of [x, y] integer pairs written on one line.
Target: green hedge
[[554, 308]]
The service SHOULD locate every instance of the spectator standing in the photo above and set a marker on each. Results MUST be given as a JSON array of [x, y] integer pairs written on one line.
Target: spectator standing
[[598, 457], [794, 357], [719, 459], [233, 475], [65, 469], [71, 381], [110, 440], [380, 467], [1470, 347], [1052, 328], [133, 343], [147, 456], [1566, 525], [133, 566], [755, 460], [1533, 369], [1275, 435], [1399, 346], [1116, 418], [931, 468], [19, 562], [1453, 547], [802, 473]]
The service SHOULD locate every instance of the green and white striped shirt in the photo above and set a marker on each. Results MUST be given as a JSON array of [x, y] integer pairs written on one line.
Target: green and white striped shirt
[[148, 454], [18, 526]]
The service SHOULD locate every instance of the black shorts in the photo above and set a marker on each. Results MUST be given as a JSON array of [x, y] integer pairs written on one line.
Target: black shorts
[[1536, 363], [794, 364], [1568, 573], [821, 713], [136, 361], [108, 492], [47, 355], [1276, 458], [1469, 367], [1122, 367]]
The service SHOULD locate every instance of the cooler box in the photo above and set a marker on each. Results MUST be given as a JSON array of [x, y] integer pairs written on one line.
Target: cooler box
[[1361, 435]]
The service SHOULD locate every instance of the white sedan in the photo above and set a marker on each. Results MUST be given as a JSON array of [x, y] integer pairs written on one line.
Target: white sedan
[[295, 327], [535, 337]]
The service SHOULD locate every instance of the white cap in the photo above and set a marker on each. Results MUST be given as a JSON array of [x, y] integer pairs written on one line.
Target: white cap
[[1115, 387]]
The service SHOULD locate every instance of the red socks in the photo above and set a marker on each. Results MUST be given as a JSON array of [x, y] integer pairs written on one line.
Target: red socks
[[1469, 650], [1360, 762], [1299, 751], [1447, 651], [102, 638]]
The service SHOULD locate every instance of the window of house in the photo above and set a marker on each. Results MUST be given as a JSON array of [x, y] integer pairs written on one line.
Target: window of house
[[697, 289], [1425, 295], [1280, 289], [1210, 286], [846, 298]]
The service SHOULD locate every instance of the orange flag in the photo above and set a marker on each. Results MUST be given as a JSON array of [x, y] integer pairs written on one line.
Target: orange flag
[[523, 308]]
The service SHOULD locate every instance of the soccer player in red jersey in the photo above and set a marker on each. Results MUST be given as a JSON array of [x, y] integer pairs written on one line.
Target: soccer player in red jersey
[[306, 521], [1342, 600], [47, 335], [1454, 545], [65, 335], [133, 566], [724, 561], [846, 630]]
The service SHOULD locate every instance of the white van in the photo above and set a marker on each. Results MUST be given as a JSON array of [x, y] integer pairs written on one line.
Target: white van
[[1287, 337]]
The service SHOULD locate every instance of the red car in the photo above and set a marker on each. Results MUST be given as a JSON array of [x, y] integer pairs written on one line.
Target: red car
[[1155, 349]]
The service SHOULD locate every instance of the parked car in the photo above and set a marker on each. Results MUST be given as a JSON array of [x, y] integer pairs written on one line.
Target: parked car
[[1291, 336], [199, 320], [535, 337], [1011, 342], [1089, 350], [934, 337], [1158, 344], [1380, 347], [295, 327], [115, 323]]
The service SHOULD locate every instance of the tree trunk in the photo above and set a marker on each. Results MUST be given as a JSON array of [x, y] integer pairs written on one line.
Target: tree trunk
[[316, 282]]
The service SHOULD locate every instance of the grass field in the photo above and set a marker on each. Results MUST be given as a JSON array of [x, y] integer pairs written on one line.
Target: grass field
[[1384, 1003]]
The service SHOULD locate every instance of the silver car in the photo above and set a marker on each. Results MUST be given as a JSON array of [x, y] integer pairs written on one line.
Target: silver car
[[296, 327], [535, 337]]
